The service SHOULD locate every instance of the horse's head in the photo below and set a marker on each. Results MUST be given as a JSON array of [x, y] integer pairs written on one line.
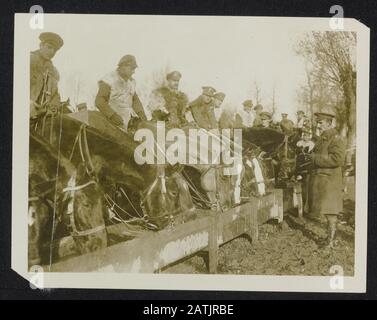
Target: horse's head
[[167, 195], [86, 212], [259, 172]]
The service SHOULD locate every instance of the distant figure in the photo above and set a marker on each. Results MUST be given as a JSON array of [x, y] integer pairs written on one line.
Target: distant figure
[[258, 109], [286, 125], [245, 118], [44, 77], [224, 118], [305, 145], [168, 103], [117, 98], [202, 109], [302, 120]]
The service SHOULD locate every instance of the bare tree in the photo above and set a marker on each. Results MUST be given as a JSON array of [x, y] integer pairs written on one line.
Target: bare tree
[[331, 75], [257, 93]]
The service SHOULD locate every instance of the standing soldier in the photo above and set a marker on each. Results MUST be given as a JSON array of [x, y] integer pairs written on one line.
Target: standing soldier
[[286, 125], [202, 109], [168, 103], [325, 195], [44, 77], [245, 118], [117, 98]]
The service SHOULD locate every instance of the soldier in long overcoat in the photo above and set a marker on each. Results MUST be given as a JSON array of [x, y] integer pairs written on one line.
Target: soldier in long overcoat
[[325, 193]]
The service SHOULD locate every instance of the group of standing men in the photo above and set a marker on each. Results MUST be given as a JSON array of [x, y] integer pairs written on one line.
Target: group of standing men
[[118, 101]]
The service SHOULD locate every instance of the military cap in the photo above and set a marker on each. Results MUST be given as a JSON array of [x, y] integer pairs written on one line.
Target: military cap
[[248, 103], [219, 96], [265, 115], [258, 106], [127, 60], [284, 114], [300, 111], [174, 75], [326, 113], [52, 38], [209, 91]]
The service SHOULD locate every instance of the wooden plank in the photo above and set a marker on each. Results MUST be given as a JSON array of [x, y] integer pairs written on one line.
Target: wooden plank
[[213, 244], [144, 254], [153, 251]]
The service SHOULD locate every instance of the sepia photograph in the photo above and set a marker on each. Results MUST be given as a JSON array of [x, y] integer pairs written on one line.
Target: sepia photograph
[[190, 152]]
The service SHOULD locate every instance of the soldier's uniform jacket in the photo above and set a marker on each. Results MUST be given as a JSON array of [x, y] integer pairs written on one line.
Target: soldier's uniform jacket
[[326, 196], [44, 78], [118, 95], [257, 121], [168, 105], [287, 126], [203, 113], [244, 119]]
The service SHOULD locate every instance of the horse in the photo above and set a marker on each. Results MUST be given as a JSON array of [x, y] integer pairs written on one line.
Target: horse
[[97, 183]]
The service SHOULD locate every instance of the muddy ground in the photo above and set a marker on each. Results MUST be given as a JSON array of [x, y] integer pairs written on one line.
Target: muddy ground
[[291, 248]]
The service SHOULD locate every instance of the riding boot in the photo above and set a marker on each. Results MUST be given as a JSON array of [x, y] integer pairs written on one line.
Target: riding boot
[[329, 241], [332, 233]]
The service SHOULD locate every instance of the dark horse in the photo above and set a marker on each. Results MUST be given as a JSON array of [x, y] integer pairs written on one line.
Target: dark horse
[[83, 176], [274, 151]]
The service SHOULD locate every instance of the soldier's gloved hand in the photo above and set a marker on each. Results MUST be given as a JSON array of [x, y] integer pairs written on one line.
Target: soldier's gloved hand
[[116, 119], [52, 109]]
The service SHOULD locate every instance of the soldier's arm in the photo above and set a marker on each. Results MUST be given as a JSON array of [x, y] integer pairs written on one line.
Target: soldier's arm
[[138, 107], [156, 102], [335, 156], [183, 110], [212, 119], [54, 104], [102, 99]]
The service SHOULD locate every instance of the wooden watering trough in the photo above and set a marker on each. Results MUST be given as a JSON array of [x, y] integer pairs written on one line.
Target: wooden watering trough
[[202, 230]]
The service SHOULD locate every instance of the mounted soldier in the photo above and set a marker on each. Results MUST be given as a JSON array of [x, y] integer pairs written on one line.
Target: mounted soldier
[[258, 109], [44, 77], [245, 118], [169, 104], [325, 195], [117, 98], [286, 125], [202, 109]]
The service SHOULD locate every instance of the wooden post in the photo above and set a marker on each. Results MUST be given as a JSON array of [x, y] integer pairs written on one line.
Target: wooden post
[[297, 190], [253, 220], [212, 244]]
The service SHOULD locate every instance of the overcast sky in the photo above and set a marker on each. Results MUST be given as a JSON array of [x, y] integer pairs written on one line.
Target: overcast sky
[[228, 53]]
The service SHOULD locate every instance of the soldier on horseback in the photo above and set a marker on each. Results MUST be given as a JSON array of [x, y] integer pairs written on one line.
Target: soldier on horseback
[[202, 109], [44, 77], [169, 104], [117, 98]]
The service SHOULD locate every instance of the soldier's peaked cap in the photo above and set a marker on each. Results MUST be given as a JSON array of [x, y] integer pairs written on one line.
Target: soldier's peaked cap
[[248, 103], [128, 59], [258, 106], [174, 75], [220, 96], [266, 115], [209, 91], [325, 114], [52, 38]]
